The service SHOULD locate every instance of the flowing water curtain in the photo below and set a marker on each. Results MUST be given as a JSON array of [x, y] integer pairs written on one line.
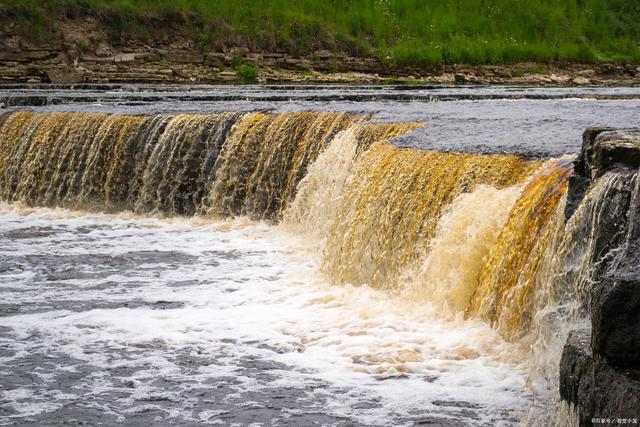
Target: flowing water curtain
[[14, 143], [112, 135], [392, 205], [588, 245], [504, 295], [181, 165], [264, 158], [163, 164], [320, 192], [227, 163], [103, 162], [38, 152], [61, 159], [595, 234], [447, 274], [68, 159], [126, 175], [319, 135]]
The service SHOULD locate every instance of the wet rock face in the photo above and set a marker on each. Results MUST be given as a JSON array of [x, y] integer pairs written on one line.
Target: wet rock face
[[603, 149], [591, 383], [616, 310], [615, 148], [616, 320], [580, 180], [600, 369]]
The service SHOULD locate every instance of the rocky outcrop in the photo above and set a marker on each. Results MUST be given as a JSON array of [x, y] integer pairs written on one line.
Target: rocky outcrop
[[600, 368], [616, 318], [603, 149], [616, 308], [601, 392]]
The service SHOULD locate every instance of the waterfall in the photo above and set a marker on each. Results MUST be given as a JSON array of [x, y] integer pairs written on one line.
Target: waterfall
[[386, 216], [264, 158], [505, 295], [447, 273], [392, 204], [222, 164], [476, 235]]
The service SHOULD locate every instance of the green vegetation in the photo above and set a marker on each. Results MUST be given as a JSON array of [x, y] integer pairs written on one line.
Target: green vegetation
[[400, 32], [248, 74], [520, 71]]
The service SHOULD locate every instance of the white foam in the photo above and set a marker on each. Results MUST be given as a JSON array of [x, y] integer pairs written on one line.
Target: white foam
[[259, 295]]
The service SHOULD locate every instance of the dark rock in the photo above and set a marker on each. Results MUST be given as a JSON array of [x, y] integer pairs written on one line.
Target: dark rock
[[616, 310], [612, 149], [586, 153], [592, 370], [578, 186], [594, 386], [616, 319], [603, 149]]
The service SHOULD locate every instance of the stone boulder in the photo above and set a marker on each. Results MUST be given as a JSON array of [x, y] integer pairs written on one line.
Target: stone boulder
[[606, 148], [615, 148], [580, 81], [599, 390], [67, 75], [616, 319], [603, 149]]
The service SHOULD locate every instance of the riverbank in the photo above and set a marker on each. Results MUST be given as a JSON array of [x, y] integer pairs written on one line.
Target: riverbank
[[67, 63], [80, 46]]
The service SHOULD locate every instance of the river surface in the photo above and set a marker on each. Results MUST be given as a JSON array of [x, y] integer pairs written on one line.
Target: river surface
[[534, 122], [133, 320]]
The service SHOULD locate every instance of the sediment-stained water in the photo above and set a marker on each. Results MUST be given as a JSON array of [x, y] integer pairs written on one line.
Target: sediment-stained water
[[201, 262]]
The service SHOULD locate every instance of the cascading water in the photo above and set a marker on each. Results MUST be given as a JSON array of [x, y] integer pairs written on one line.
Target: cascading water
[[266, 156], [576, 257], [505, 295], [475, 236], [392, 204], [226, 163]]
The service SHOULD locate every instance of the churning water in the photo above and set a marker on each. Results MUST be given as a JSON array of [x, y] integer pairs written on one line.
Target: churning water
[[123, 318], [293, 266]]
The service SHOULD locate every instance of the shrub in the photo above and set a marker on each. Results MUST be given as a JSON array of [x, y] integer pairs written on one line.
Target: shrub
[[248, 74]]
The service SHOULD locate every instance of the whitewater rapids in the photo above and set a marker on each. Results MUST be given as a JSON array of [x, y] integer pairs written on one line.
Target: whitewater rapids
[[137, 320]]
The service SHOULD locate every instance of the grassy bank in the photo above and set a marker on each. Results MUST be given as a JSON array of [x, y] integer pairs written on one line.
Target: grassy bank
[[402, 32]]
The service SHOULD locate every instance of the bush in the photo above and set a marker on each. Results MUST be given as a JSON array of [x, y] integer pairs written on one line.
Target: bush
[[248, 74]]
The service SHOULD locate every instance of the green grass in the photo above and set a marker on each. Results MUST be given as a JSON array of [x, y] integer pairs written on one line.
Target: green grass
[[399, 32]]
